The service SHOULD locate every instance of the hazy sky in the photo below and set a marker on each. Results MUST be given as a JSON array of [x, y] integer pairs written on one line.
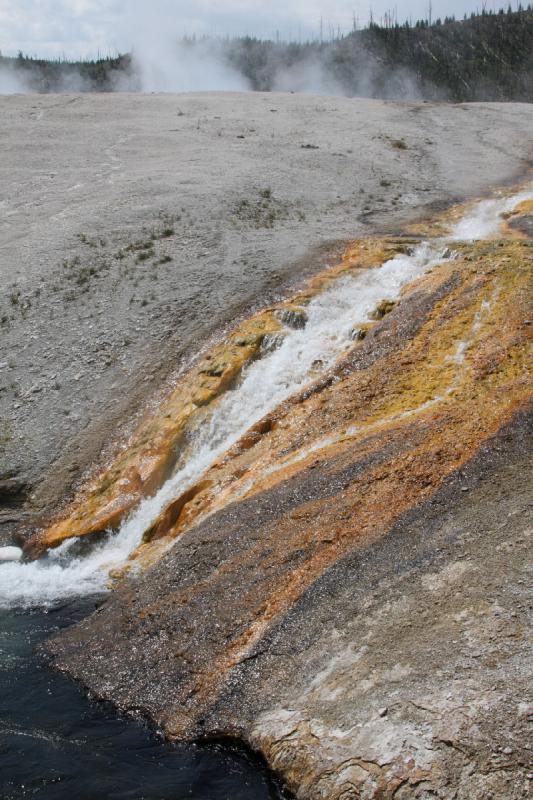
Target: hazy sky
[[79, 28]]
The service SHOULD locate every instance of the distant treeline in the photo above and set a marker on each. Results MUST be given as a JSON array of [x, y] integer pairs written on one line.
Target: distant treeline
[[488, 56], [485, 57], [59, 75]]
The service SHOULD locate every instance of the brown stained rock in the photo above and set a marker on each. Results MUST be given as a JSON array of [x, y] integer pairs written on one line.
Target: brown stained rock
[[154, 448], [358, 333], [361, 548], [174, 512], [420, 622], [146, 462], [383, 308], [429, 623], [520, 220], [292, 316], [392, 373], [226, 633]]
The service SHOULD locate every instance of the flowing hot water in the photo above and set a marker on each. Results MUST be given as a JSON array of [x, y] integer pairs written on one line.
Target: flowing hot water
[[263, 386]]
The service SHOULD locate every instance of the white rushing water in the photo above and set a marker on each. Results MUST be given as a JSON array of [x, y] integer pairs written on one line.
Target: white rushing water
[[486, 216], [332, 315]]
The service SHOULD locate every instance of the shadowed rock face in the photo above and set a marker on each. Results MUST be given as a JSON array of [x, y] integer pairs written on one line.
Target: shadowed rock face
[[345, 592]]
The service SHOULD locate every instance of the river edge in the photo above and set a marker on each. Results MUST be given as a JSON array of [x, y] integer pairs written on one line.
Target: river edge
[[283, 733], [502, 746], [56, 741], [451, 586]]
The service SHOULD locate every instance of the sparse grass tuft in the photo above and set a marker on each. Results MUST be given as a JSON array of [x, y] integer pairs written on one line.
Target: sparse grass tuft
[[71, 263], [84, 239], [261, 212]]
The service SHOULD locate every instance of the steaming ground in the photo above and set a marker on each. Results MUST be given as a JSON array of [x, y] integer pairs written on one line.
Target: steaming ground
[[244, 194]]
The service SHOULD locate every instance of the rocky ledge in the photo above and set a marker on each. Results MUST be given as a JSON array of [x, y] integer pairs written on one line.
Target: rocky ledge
[[346, 591]]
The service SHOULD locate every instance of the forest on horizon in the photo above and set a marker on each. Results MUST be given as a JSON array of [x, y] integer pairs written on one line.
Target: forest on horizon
[[487, 56]]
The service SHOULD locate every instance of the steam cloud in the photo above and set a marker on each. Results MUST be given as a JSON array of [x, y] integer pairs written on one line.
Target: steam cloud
[[163, 61], [184, 67], [11, 82]]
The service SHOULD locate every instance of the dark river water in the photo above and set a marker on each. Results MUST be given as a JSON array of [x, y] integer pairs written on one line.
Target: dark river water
[[56, 745]]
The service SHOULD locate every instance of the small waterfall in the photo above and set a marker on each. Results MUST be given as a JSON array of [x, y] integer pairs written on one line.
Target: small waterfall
[[330, 319]]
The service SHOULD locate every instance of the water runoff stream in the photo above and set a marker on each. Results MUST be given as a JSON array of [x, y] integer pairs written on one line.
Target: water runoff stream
[[53, 742]]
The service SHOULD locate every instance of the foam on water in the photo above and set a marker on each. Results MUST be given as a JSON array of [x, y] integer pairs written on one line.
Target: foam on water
[[264, 385], [59, 575]]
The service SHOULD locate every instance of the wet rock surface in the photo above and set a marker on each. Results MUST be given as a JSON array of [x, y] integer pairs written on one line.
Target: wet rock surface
[[347, 591], [405, 667], [159, 442], [403, 671]]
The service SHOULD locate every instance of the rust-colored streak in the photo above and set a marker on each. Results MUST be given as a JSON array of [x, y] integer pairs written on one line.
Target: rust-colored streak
[[159, 442], [375, 395], [422, 409], [317, 535], [327, 473], [427, 371], [161, 439]]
